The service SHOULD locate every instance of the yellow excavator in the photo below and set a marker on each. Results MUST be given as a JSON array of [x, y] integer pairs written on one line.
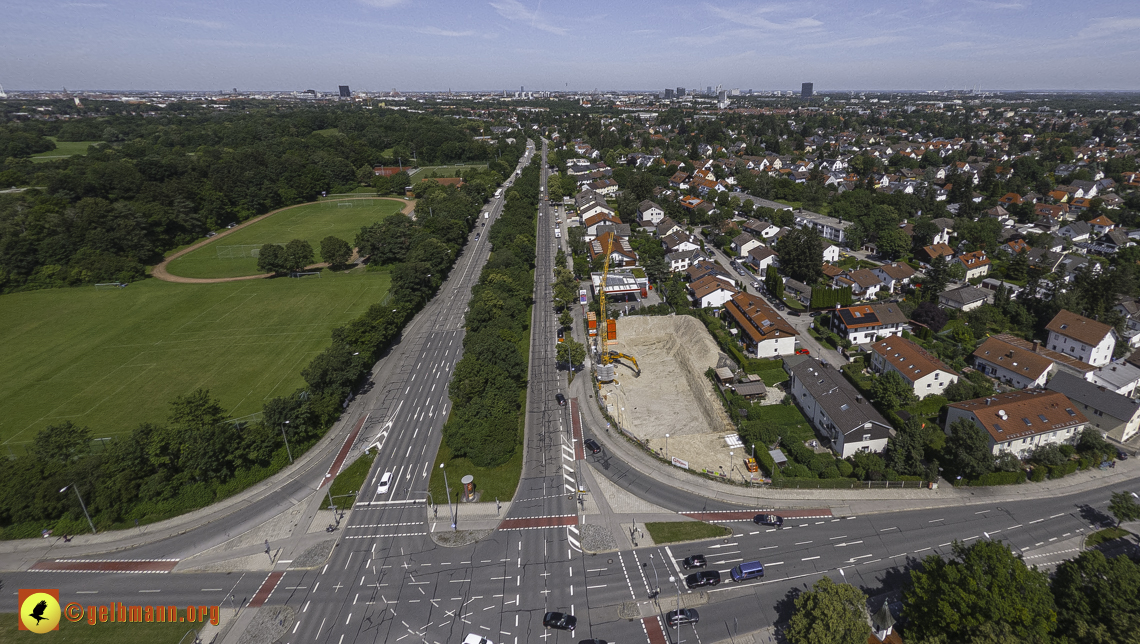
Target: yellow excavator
[[607, 358]]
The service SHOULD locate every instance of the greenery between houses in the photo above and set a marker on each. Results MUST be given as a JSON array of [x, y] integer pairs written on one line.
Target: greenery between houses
[[675, 531]]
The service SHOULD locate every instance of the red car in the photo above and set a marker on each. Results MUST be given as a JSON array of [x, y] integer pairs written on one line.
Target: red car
[[802, 352]]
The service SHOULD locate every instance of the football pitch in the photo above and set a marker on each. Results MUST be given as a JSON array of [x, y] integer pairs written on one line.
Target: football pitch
[[113, 358], [234, 255]]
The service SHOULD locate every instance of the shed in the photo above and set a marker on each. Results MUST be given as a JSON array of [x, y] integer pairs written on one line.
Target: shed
[[724, 375], [778, 458], [751, 390]]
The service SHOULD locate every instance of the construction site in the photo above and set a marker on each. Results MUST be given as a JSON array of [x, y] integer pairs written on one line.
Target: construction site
[[671, 396]]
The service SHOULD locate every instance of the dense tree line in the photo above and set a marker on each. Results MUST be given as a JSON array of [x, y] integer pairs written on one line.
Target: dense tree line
[[488, 389], [161, 181]]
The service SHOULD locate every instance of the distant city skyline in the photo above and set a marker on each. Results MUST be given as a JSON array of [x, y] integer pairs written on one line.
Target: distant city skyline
[[413, 45]]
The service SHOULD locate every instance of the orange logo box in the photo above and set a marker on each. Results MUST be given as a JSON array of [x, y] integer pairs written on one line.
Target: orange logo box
[[38, 609]]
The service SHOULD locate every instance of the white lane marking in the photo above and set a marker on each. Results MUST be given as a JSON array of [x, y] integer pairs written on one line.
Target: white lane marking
[[809, 558]]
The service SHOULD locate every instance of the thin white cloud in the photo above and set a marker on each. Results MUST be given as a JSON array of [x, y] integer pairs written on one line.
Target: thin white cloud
[[86, 5], [756, 19], [1000, 6], [436, 31], [382, 4], [208, 24], [514, 10]]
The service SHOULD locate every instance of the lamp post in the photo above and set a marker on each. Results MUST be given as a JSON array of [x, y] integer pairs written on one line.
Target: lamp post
[[667, 447], [81, 504], [447, 491], [731, 462], [287, 450]]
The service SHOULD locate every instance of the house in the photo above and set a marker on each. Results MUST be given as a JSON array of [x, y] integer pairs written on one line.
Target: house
[[710, 292], [797, 290], [839, 414], [620, 251], [679, 180], [1044, 260], [1015, 246], [704, 267], [760, 229], [1011, 199], [1015, 366], [1101, 225], [1021, 421], [680, 241], [963, 298], [868, 322], [599, 218], [864, 283], [1076, 231], [762, 257], [1061, 362], [682, 260], [945, 227], [764, 332], [743, 243], [1113, 414], [1110, 242], [929, 253], [589, 203], [647, 211], [976, 264], [925, 373], [828, 227], [895, 274], [1129, 307], [667, 226], [603, 186], [831, 253], [1087, 340], [1119, 377]]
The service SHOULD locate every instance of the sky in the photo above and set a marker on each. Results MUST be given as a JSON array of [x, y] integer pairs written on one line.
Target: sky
[[580, 45]]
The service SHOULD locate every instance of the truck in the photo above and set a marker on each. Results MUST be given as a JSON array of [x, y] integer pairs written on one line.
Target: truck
[[498, 193], [558, 233], [486, 214]]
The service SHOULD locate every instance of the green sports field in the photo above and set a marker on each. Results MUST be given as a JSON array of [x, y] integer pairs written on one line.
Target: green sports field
[[111, 359], [230, 256], [63, 149]]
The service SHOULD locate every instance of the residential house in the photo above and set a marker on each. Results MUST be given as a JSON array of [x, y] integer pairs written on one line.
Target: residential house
[[929, 253], [1113, 414], [1087, 340], [1014, 365], [1061, 362], [704, 267], [1076, 231], [667, 227], [760, 229], [895, 274], [828, 227], [945, 227], [1019, 422], [743, 243], [1110, 242], [761, 257], [1101, 225], [711, 292], [620, 251], [1118, 377], [839, 414], [603, 186], [589, 203], [679, 180], [831, 253], [1015, 246], [963, 298], [1044, 260], [764, 332], [975, 263], [863, 282], [592, 222], [1055, 211], [680, 240], [1086, 189], [797, 290], [647, 211], [924, 373], [682, 260], [868, 322], [1129, 307]]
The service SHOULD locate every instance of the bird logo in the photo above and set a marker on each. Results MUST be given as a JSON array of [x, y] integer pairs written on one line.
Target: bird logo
[[39, 610]]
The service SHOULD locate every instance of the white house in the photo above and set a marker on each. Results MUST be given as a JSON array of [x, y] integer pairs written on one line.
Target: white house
[[1120, 377], [840, 415], [830, 251], [1085, 339], [828, 227], [975, 263], [1021, 421], [682, 259], [868, 322], [743, 243], [710, 292], [1013, 365], [650, 212], [963, 298], [765, 333], [1116, 415], [925, 374], [895, 274], [762, 257]]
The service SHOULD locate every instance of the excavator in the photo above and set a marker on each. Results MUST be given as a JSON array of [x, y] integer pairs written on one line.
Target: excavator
[[607, 358]]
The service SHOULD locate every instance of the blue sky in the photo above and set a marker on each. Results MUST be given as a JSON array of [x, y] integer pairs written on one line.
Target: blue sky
[[580, 45]]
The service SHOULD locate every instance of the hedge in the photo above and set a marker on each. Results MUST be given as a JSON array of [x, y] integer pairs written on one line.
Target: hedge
[[998, 478]]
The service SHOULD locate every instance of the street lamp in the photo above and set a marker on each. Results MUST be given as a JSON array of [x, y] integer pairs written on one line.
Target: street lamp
[[447, 491], [81, 504], [287, 450], [666, 447]]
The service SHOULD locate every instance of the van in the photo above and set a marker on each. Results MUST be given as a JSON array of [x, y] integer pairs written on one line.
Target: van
[[748, 570]]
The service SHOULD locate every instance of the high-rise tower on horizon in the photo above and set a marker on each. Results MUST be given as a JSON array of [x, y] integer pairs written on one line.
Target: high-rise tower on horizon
[[806, 90], [344, 93]]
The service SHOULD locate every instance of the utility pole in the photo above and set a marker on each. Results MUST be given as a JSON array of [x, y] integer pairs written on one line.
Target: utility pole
[[287, 450], [447, 490], [81, 504]]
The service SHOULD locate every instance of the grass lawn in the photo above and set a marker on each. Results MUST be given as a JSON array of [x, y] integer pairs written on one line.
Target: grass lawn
[[111, 359], [494, 482], [444, 171], [62, 150], [106, 633], [674, 531], [773, 376], [1101, 536], [788, 416], [230, 256], [349, 481]]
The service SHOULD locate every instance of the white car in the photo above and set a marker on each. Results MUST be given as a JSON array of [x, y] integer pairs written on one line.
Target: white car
[[475, 638], [385, 481]]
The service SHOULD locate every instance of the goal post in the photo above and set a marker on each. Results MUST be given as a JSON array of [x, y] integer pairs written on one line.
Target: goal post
[[317, 274], [238, 251], [109, 285]]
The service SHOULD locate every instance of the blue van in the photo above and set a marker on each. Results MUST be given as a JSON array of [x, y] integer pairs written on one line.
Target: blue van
[[748, 570]]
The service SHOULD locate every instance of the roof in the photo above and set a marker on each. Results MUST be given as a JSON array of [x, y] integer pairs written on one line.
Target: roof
[[1023, 362], [760, 253], [1078, 327], [864, 278], [936, 250], [1023, 413], [964, 295], [1086, 393], [644, 206], [1117, 374], [755, 388], [847, 410], [909, 359], [709, 284], [1102, 221], [871, 315], [897, 270], [975, 259], [757, 319], [1062, 360]]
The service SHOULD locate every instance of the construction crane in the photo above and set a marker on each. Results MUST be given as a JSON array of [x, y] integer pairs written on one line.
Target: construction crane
[[606, 358]]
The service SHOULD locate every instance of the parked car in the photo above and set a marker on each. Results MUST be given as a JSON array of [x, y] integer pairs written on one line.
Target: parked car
[[703, 578], [475, 638], [561, 400], [1121, 455], [683, 616], [694, 561], [211, 234], [385, 482], [803, 352], [592, 445], [559, 621], [769, 519]]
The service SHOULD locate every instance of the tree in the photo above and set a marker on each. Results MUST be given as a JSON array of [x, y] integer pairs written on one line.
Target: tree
[[773, 283], [335, 251], [1123, 506], [968, 450], [905, 449], [924, 232], [271, 259], [61, 443], [829, 613], [984, 584], [801, 255], [575, 237], [892, 243], [930, 315], [937, 277], [1098, 599], [565, 319], [570, 352], [565, 288], [1018, 269], [297, 255], [891, 391]]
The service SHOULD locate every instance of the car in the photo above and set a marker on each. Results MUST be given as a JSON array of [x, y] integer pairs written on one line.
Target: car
[[593, 640], [768, 519], [476, 235], [803, 352], [230, 226], [211, 234], [475, 638], [561, 400], [1121, 455], [816, 314], [559, 621], [703, 578], [592, 445], [385, 482], [694, 561], [683, 616]]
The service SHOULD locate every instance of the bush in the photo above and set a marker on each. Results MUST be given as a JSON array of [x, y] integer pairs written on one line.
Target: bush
[[999, 478], [1058, 471], [795, 470], [1039, 474]]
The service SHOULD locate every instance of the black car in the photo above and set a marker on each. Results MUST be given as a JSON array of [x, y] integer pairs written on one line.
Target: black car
[[768, 519], [694, 561], [561, 400], [1121, 455], [592, 445], [560, 621], [683, 616], [593, 641], [703, 578]]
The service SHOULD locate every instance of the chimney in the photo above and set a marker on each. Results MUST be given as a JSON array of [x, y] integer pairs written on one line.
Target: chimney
[[858, 399]]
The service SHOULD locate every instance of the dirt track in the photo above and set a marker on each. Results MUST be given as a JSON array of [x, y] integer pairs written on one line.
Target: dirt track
[[161, 273]]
